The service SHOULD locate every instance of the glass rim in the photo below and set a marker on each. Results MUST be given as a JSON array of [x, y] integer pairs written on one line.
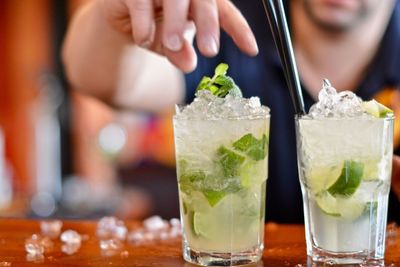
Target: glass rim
[[255, 118], [305, 117]]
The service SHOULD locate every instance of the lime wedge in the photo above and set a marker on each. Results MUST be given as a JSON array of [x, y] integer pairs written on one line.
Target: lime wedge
[[376, 109], [345, 208], [349, 179], [328, 204], [213, 196], [371, 169], [200, 225], [322, 177]]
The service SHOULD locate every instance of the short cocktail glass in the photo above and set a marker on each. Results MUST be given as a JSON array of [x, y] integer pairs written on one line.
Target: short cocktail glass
[[222, 172], [345, 169]]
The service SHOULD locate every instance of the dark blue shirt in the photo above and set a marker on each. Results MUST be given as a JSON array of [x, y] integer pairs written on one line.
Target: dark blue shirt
[[263, 76]]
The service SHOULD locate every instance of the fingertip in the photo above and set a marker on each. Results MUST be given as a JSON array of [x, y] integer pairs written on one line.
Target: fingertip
[[173, 42], [208, 45], [251, 46], [185, 60]]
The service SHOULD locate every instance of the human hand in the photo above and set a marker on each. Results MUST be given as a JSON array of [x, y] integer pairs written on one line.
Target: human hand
[[396, 175], [161, 26]]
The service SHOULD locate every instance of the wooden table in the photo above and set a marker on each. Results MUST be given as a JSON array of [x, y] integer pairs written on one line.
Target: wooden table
[[284, 246]]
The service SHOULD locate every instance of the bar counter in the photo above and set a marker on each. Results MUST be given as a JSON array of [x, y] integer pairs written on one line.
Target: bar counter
[[284, 246]]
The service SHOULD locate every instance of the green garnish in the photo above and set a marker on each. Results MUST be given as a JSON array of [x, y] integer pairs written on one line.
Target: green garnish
[[235, 165], [253, 147], [230, 161], [349, 179], [213, 197], [220, 84], [376, 109]]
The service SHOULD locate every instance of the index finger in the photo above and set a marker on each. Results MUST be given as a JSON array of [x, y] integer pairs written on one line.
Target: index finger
[[175, 19], [236, 26]]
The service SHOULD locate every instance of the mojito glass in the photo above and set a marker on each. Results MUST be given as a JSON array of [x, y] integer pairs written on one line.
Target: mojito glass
[[222, 189], [221, 144], [345, 158]]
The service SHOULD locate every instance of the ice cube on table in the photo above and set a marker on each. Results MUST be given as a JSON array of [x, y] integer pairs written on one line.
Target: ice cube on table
[[33, 245], [155, 223], [39, 258], [135, 237], [111, 244], [109, 227], [174, 222], [70, 248], [37, 244], [71, 237], [52, 228], [34, 249]]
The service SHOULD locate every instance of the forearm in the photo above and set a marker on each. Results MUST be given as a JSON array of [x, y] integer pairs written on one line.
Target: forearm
[[92, 53], [105, 63]]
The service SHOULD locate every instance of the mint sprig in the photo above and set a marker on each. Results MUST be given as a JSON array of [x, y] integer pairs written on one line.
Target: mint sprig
[[253, 147], [235, 164], [220, 84]]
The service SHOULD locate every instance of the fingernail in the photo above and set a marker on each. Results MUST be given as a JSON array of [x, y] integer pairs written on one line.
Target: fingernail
[[145, 44], [210, 45], [173, 42], [253, 44]]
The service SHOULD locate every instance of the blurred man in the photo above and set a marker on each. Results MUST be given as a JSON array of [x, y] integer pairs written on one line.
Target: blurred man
[[354, 43]]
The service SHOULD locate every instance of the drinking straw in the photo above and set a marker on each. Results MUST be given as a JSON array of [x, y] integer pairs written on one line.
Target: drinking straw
[[280, 32]]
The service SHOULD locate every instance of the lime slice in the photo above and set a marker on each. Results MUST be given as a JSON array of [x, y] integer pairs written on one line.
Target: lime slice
[[376, 109], [322, 177], [345, 208], [371, 170], [200, 225], [328, 204], [349, 179]]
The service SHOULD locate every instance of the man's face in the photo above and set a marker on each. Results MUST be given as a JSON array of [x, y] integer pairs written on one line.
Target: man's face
[[339, 15]]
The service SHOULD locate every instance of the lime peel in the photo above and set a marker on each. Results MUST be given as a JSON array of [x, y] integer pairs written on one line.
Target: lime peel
[[349, 179], [376, 109]]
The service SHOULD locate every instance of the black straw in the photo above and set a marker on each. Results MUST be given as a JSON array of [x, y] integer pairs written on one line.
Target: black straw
[[277, 20]]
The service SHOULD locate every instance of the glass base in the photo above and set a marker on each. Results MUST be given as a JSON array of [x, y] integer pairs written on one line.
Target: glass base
[[329, 258], [222, 259]]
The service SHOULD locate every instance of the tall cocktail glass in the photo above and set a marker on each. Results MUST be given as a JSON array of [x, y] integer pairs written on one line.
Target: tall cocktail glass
[[222, 172], [345, 168]]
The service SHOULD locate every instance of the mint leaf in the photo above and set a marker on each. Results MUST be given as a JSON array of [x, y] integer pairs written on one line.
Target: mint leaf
[[230, 161], [221, 69], [220, 84], [213, 197], [349, 179], [253, 147], [224, 81], [190, 181], [204, 83]]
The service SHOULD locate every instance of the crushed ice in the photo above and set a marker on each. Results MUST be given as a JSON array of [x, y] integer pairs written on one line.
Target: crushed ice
[[71, 237], [110, 231], [36, 245], [111, 227], [51, 229], [155, 229], [210, 107], [332, 104]]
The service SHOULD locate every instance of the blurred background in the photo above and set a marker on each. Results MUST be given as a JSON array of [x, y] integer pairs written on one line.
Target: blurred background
[[67, 155]]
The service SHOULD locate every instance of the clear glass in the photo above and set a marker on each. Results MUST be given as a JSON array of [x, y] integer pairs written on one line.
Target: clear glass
[[222, 189], [345, 169]]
